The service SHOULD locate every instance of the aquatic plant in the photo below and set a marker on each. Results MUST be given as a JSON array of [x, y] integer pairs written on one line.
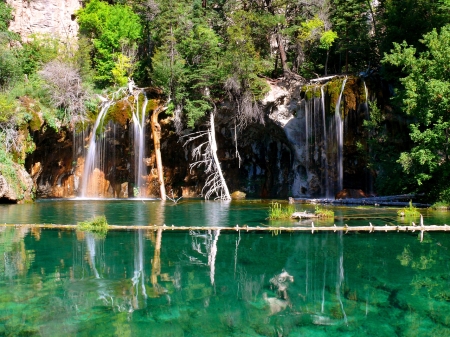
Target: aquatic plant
[[97, 225], [323, 212], [277, 211], [409, 212], [441, 205]]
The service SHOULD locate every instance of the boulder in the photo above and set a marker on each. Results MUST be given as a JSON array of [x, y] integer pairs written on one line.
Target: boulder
[[350, 193], [16, 185], [238, 195]]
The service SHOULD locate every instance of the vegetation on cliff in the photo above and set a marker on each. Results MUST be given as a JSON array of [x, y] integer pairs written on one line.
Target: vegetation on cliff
[[201, 53]]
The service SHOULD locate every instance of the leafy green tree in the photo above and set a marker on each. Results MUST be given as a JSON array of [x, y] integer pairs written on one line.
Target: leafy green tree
[[113, 30], [426, 98], [409, 20], [351, 22]]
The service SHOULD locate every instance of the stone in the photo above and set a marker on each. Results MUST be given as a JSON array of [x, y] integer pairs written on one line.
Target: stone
[[350, 193], [19, 191], [238, 195]]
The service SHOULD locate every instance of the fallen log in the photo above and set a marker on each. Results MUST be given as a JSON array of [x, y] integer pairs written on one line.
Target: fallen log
[[401, 200], [303, 215]]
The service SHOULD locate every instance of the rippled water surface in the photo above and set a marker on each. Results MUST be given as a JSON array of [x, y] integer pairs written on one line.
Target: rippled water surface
[[212, 283]]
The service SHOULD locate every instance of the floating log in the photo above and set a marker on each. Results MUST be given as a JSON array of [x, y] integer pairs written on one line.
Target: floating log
[[391, 228]]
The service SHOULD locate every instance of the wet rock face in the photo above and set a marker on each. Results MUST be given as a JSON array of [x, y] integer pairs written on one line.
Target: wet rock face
[[283, 158], [53, 17]]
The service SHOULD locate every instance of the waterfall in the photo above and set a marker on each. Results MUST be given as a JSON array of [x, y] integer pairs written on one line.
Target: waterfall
[[325, 143], [98, 157], [91, 156], [139, 145], [340, 139]]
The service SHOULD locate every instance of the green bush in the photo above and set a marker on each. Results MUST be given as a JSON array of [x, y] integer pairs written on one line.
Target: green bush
[[10, 67], [409, 212], [97, 225]]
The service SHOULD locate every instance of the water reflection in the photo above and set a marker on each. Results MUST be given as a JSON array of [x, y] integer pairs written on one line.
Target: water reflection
[[216, 283]]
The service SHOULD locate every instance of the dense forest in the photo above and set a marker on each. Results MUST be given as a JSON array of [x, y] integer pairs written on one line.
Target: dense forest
[[201, 53]]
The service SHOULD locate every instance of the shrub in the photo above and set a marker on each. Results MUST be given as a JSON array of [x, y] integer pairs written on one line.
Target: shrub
[[97, 225], [409, 212]]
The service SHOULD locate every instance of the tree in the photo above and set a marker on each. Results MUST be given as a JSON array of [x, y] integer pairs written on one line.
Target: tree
[[350, 19], [426, 98], [66, 90], [114, 30]]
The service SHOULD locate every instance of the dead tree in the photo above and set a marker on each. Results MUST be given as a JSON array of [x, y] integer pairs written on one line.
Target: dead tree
[[206, 154]]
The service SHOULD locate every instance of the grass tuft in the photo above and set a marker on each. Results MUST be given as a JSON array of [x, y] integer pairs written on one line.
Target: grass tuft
[[324, 213], [409, 212], [278, 212]]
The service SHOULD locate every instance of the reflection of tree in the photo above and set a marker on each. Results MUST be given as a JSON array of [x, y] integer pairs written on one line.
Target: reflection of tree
[[16, 259], [156, 266]]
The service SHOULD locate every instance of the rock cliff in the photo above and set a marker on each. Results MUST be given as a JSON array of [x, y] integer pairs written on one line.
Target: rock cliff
[[53, 17]]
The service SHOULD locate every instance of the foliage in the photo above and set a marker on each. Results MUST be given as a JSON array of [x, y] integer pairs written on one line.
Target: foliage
[[278, 212], [351, 22], [39, 50], [425, 97], [10, 67], [97, 225], [323, 212], [409, 212], [113, 30]]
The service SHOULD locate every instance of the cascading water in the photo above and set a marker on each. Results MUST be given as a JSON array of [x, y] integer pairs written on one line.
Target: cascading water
[[90, 161], [100, 155], [325, 138], [325, 144], [139, 145], [340, 139]]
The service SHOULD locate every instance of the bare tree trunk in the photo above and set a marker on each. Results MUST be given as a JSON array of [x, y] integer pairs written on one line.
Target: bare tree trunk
[[326, 62], [156, 132], [206, 154], [282, 52], [212, 135]]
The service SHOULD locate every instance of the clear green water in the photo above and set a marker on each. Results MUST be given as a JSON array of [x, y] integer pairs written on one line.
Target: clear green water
[[136, 283]]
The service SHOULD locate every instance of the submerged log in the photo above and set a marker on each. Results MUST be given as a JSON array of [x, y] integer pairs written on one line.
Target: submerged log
[[303, 215]]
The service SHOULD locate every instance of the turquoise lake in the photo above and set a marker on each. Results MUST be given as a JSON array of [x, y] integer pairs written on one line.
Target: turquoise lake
[[212, 283]]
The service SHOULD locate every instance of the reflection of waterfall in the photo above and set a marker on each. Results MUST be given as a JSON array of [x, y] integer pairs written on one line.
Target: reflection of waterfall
[[341, 275], [139, 273], [90, 242]]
